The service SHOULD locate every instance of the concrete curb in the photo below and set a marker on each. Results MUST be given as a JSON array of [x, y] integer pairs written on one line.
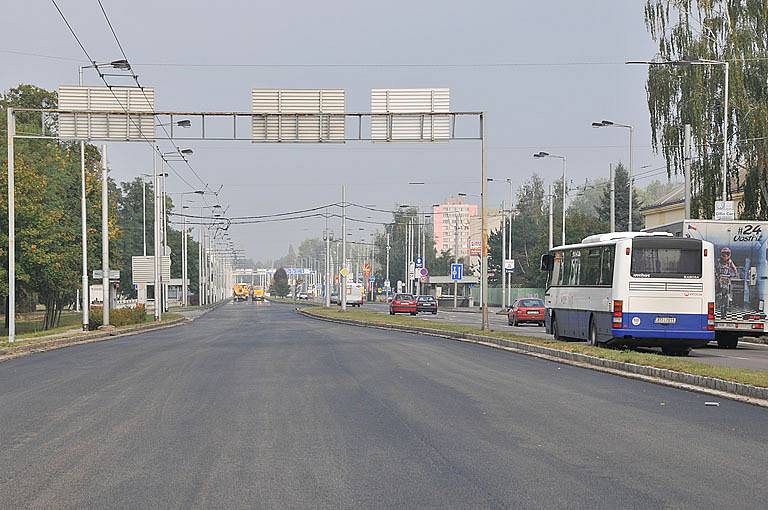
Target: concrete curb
[[87, 338], [702, 384]]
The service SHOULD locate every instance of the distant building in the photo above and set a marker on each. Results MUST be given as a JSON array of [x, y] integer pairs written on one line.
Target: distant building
[[452, 226], [457, 223]]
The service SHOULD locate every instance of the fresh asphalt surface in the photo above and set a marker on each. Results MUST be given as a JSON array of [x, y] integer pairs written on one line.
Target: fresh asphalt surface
[[254, 406], [747, 355]]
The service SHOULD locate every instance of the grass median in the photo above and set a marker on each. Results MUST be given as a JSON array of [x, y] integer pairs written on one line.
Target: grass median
[[66, 334], [688, 366]]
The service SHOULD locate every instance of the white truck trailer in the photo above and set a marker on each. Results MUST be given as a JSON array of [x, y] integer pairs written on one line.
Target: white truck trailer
[[741, 273]]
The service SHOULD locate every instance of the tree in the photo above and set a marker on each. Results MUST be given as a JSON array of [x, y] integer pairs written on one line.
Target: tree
[[279, 286], [732, 30], [621, 187]]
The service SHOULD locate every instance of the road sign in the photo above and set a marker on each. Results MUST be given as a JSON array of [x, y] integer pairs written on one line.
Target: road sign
[[424, 272], [475, 247], [371, 278], [725, 210], [411, 270], [457, 271], [419, 262], [98, 274], [387, 284], [344, 271], [509, 265]]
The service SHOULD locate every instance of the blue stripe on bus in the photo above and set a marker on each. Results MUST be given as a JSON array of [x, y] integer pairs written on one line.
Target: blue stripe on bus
[[686, 326]]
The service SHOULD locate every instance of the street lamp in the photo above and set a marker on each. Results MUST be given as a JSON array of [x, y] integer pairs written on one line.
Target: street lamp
[[608, 123], [726, 71], [542, 154]]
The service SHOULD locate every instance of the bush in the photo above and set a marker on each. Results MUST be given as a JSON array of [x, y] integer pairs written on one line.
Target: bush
[[119, 317]]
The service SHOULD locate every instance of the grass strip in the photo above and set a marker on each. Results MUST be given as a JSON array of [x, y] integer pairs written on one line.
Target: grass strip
[[679, 364], [57, 336]]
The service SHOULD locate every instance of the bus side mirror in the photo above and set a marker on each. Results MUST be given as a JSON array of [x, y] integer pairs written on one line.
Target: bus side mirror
[[547, 262]]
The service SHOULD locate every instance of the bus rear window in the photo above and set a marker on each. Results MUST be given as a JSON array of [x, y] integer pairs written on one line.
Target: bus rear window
[[666, 262]]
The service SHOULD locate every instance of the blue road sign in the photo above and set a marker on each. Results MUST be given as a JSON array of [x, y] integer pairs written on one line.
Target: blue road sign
[[419, 262], [371, 278], [457, 271]]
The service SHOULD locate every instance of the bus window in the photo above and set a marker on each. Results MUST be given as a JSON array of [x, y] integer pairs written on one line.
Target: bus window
[[666, 258], [557, 270], [590, 270], [573, 275], [606, 266]]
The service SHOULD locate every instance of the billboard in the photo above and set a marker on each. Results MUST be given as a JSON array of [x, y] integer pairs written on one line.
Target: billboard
[[143, 269], [421, 125], [298, 115], [107, 113]]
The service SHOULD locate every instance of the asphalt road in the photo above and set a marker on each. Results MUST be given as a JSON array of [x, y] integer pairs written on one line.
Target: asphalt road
[[747, 355], [253, 406]]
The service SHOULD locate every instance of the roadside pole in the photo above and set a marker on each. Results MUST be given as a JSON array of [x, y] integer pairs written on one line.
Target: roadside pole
[[484, 226], [156, 240], [84, 241], [612, 185], [12, 230], [105, 238], [687, 171], [551, 217], [388, 247], [343, 280], [456, 260], [509, 241], [503, 256]]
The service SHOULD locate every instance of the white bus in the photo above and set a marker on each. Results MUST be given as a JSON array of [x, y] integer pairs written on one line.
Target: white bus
[[632, 289]]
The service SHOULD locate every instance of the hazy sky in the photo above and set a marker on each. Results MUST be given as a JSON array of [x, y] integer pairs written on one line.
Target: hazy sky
[[543, 71]]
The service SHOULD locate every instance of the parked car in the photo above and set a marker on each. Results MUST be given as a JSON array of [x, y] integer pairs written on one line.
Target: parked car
[[526, 310], [335, 299], [403, 303], [426, 304]]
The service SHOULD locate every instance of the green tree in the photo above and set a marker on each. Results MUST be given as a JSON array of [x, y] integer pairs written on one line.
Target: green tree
[[280, 286], [732, 30], [603, 207]]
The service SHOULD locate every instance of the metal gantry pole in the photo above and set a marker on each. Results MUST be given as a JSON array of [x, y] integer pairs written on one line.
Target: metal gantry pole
[[183, 256], [456, 259], [11, 125], [156, 240], [551, 218], [484, 225], [510, 245], [105, 237], [388, 248]]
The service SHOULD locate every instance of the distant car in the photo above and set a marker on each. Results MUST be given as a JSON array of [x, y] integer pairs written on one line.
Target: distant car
[[303, 296], [403, 303], [426, 304], [526, 310], [335, 299]]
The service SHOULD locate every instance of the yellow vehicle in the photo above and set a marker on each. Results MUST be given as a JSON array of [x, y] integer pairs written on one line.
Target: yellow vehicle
[[240, 291], [258, 293]]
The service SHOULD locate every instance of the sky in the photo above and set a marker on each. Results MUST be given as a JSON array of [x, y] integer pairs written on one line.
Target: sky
[[542, 72]]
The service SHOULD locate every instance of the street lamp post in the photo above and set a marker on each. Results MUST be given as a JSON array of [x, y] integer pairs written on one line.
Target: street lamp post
[[608, 123], [543, 154], [726, 73]]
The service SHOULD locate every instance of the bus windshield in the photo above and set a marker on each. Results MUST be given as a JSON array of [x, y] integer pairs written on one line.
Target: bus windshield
[[666, 258]]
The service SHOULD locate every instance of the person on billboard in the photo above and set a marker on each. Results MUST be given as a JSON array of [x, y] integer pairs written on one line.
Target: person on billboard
[[725, 271]]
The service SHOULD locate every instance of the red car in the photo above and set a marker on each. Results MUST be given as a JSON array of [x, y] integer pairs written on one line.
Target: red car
[[403, 303], [526, 310]]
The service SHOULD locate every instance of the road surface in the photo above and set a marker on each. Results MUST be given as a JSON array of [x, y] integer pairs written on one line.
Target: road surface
[[747, 355], [253, 406]]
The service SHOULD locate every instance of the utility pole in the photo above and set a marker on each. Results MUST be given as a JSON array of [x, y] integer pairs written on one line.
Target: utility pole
[[105, 237], [388, 248], [183, 256], [84, 233], [343, 280], [503, 256], [456, 259], [485, 325], [11, 125], [509, 247], [687, 171], [631, 178], [144, 213], [612, 186]]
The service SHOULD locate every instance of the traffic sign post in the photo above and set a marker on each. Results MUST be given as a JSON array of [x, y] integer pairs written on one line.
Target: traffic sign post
[[419, 262], [509, 265], [457, 272]]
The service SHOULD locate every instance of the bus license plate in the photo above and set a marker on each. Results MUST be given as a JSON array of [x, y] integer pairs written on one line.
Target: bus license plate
[[666, 320]]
